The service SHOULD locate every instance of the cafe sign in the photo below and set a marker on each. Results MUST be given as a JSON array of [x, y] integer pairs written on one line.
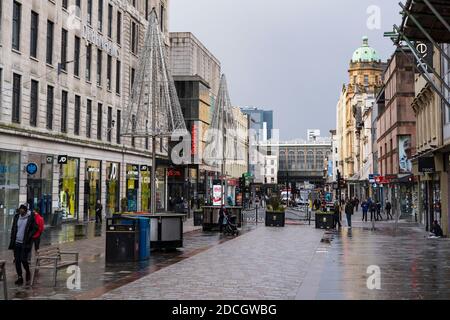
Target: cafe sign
[[100, 41]]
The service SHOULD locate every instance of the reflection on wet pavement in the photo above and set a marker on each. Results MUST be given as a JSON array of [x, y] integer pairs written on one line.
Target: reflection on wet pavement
[[97, 277], [411, 266]]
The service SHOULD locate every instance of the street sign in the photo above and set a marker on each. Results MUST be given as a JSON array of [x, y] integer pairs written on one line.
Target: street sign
[[62, 159], [144, 168], [49, 159], [32, 168]]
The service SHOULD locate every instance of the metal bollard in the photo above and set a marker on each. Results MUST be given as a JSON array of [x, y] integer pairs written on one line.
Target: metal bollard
[[256, 214]]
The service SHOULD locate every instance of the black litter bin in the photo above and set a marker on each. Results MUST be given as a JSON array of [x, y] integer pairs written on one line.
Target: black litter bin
[[122, 240], [198, 217], [57, 219]]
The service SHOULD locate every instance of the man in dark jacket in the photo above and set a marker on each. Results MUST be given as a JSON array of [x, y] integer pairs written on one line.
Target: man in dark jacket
[[379, 216], [388, 208], [221, 217], [373, 210], [23, 229], [349, 212]]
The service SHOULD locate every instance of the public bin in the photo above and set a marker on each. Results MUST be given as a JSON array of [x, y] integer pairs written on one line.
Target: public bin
[[122, 240], [144, 238]]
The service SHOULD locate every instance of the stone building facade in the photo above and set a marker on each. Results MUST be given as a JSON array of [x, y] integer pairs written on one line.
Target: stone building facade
[[65, 75]]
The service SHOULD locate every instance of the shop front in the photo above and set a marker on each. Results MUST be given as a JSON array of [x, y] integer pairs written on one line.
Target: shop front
[[161, 189], [9, 186], [112, 188], [92, 188], [69, 188], [132, 187], [176, 188], [39, 184], [145, 188]]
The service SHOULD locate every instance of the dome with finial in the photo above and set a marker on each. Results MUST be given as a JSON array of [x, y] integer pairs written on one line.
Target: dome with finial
[[365, 53]]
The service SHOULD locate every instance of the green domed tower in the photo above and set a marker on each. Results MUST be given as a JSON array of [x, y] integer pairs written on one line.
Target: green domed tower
[[365, 68]]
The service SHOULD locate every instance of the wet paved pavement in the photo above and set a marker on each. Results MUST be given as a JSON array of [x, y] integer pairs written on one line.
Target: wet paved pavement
[[97, 277], [295, 262]]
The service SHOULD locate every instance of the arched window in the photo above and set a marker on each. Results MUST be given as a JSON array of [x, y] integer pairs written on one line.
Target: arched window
[[282, 160], [310, 160], [291, 160], [301, 160], [319, 160]]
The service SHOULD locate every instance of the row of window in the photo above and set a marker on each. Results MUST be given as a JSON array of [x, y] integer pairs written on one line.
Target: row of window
[[310, 162], [34, 111]]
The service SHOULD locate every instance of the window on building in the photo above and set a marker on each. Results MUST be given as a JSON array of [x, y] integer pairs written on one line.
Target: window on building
[[99, 67], [16, 19], [1, 20], [355, 79], [34, 34], [366, 80], [88, 62], [310, 160], [301, 160], [110, 20], [64, 103], [118, 66], [76, 57], [64, 50], [146, 9], [100, 15], [89, 12], [99, 121], [108, 72], [118, 126], [133, 130], [78, 8], [65, 4], [134, 37], [50, 103], [319, 160], [133, 73], [161, 17], [34, 102], [16, 101], [76, 129], [108, 135], [119, 27], [88, 118], [291, 160], [50, 35]]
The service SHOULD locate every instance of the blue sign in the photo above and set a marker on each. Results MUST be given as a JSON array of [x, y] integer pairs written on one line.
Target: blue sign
[[32, 168]]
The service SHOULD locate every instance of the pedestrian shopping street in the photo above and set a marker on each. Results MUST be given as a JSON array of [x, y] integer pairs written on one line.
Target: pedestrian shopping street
[[294, 262]]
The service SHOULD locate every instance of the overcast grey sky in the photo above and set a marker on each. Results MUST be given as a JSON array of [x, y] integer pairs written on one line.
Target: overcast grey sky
[[290, 56]]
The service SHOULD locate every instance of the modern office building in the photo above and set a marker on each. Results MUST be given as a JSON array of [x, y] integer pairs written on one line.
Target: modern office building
[[66, 71]]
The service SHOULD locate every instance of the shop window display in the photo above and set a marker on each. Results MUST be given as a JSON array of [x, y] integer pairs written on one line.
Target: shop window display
[[39, 185], [112, 187], [132, 187], [9, 185], [92, 188], [68, 188], [145, 190]]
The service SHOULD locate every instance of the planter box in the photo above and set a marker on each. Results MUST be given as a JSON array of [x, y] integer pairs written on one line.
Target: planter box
[[324, 221], [275, 219]]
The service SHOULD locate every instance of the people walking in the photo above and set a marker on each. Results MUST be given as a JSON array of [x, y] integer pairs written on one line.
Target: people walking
[[337, 214], [373, 210], [23, 229], [365, 209], [379, 216], [356, 203], [388, 208], [98, 212], [349, 212]]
